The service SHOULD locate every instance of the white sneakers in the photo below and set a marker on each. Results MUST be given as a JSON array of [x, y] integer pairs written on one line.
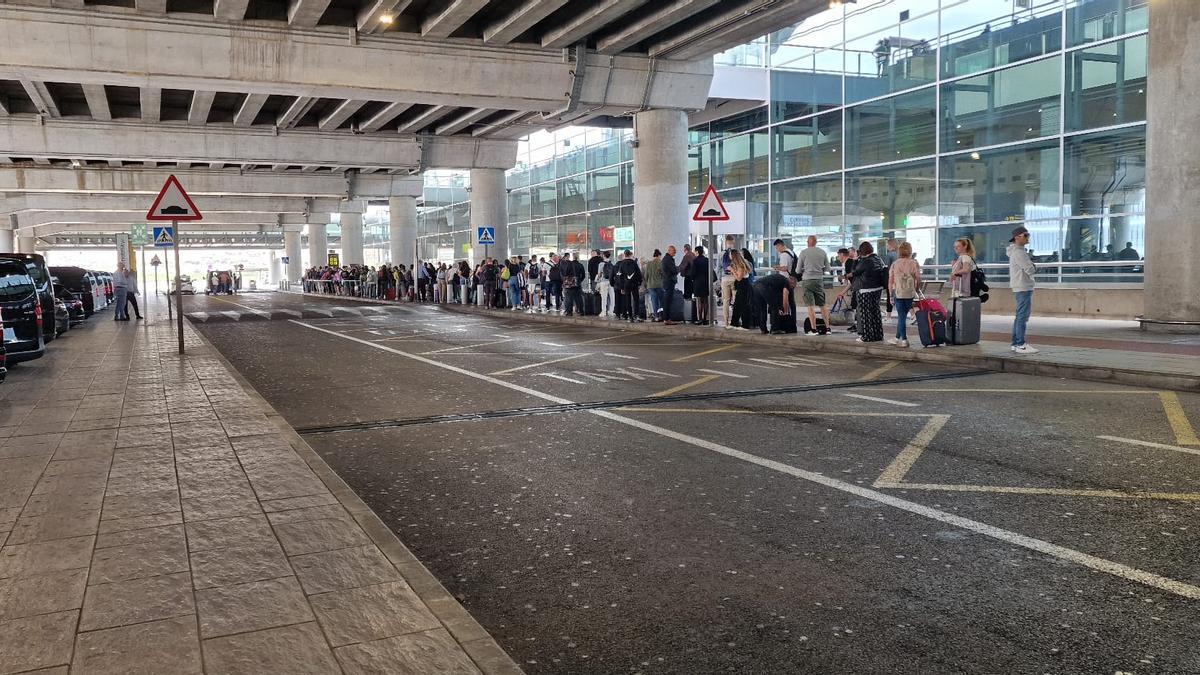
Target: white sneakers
[[1024, 349], [897, 343]]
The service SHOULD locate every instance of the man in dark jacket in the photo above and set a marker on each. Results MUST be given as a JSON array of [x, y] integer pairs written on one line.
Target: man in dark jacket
[[627, 279], [685, 271], [572, 272], [670, 273], [555, 278]]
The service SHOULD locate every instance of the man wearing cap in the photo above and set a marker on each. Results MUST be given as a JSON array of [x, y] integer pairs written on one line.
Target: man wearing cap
[[1020, 273]]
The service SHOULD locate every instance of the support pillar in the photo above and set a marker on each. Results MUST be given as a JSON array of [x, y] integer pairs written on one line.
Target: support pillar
[[402, 230], [26, 244], [6, 241], [318, 241], [352, 239], [660, 206], [489, 208], [291, 249], [1172, 182]]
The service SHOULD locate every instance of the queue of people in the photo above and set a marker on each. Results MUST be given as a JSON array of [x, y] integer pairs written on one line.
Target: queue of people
[[674, 287]]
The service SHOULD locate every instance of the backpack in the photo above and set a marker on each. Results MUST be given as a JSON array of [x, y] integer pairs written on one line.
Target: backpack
[[906, 286], [505, 275], [979, 285], [794, 271], [606, 270]]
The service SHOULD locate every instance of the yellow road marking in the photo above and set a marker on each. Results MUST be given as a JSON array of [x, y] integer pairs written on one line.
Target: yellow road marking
[[706, 352], [1111, 494], [535, 365], [1020, 391], [879, 371], [904, 461], [689, 385], [610, 337], [1148, 444], [1185, 434]]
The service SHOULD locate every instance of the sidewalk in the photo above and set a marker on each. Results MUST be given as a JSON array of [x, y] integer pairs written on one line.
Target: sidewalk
[[157, 516], [1085, 349]]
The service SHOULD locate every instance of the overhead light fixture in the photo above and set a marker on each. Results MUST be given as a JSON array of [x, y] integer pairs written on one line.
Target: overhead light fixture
[[386, 18]]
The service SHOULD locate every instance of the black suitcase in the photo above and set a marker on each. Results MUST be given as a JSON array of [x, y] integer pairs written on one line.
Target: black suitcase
[[677, 308], [821, 328], [965, 319], [931, 326]]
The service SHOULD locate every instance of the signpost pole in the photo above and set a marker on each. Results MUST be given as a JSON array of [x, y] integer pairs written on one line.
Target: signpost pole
[[145, 285], [167, 271], [712, 259], [178, 287]]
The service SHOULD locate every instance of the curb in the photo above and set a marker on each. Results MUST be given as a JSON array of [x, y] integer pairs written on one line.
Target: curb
[[488, 655], [966, 356]]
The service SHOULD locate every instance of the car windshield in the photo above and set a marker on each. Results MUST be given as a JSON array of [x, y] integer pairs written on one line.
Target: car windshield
[[15, 282]]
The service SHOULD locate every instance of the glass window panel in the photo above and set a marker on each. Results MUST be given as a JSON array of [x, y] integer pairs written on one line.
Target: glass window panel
[[884, 201], [544, 200], [518, 206], [809, 207], [1106, 85], [1010, 184], [572, 196], [798, 93], [982, 34], [604, 153], [572, 233], [699, 164], [891, 45], [545, 236], [518, 176], [740, 160], [991, 244], [1013, 104], [460, 218], [1092, 20], [1105, 197], [520, 238], [814, 45], [736, 124], [605, 187], [570, 159], [808, 146], [901, 127], [601, 226]]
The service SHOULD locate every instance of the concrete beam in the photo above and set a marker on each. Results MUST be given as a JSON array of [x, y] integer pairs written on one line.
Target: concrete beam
[[734, 26], [380, 119], [294, 112], [519, 20], [201, 105], [42, 100], [150, 6], [261, 225], [131, 180], [233, 10], [344, 111], [25, 137], [150, 99], [665, 14], [463, 121], [249, 109], [137, 205], [178, 54], [597, 16], [45, 223], [426, 118], [97, 102], [306, 13], [500, 124], [443, 24]]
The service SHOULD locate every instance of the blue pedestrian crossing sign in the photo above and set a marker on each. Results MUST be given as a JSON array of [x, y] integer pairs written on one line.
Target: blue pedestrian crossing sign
[[164, 237], [487, 236]]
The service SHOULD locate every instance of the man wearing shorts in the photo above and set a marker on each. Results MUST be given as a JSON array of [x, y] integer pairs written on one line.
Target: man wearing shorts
[[813, 264]]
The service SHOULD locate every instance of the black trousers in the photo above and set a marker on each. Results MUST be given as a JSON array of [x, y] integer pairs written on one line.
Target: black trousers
[[668, 298], [132, 300]]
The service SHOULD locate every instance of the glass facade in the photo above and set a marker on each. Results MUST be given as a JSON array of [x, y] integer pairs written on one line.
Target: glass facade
[[923, 120]]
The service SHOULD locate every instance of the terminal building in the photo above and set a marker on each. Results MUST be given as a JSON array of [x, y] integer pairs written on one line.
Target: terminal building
[[915, 120]]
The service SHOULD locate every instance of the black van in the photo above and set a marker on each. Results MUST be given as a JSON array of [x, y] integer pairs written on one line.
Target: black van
[[22, 312], [36, 265], [82, 285]]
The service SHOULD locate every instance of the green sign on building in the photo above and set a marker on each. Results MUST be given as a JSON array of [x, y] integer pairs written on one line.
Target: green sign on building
[[138, 234]]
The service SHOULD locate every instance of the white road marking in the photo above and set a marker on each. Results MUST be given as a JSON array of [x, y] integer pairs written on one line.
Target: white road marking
[[621, 356], [748, 365], [647, 370], [1015, 538], [535, 365], [550, 344], [882, 400], [603, 377], [1148, 444], [719, 372], [560, 377], [479, 344]]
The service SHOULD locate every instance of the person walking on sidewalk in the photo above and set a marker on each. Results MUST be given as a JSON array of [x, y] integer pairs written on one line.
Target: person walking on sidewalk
[[121, 291], [1020, 274], [904, 278], [670, 273], [132, 294]]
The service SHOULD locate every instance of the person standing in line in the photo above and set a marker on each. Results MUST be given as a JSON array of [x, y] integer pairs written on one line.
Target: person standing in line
[[700, 286], [490, 279], [132, 290], [812, 266], [512, 277], [904, 278], [1020, 274], [869, 272], [628, 279], [441, 283], [892, 252], [727, 280], [742, 289], [121, 290], [685, 272], [653, 275], [960, 271], [572, 273], [670, 274], [554, 274], [604, 287]]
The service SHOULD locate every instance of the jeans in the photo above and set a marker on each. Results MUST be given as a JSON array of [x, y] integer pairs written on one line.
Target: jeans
[[656, 299], [903, 307], [121, 312], [1024, 308], [514, 293], [554, 293]]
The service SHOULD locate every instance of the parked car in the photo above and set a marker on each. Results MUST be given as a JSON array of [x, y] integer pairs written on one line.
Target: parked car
[[109, 291], [62, 317], [73, 303], [83, 285], [22, 312], [185, 286], [36, 265]]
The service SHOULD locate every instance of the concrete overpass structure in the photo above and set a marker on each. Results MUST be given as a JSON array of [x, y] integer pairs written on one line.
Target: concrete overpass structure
[[348, 100]]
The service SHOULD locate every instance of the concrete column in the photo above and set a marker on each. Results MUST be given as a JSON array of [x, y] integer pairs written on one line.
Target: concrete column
[[26, 244], [318, 240], [291, 249], [352, 239], [6, 241], [489, 208], [402, 230], [1172, 181], [276, 268], [660, 199]]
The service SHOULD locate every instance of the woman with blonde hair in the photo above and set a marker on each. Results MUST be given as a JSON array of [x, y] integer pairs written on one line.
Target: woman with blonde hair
[[960, 271], [904, 279], [743, 315]]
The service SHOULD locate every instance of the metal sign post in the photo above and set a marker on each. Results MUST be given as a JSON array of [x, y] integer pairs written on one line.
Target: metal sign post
[[712, 267], [711, 208], [145, 286], [167, 271], [178, 288], [173, 204]]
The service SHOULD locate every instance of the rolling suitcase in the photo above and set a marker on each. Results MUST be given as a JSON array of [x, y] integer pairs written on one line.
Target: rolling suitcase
[[931, 324], [965, 321], [589, 303], [597, 304], [677, 308]]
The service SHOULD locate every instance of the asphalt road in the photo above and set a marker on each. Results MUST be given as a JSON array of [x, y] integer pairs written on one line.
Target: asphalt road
[[866, 516]]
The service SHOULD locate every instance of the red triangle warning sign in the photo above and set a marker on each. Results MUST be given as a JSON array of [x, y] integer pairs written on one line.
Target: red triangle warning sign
[[173, 203], [711, 207]]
